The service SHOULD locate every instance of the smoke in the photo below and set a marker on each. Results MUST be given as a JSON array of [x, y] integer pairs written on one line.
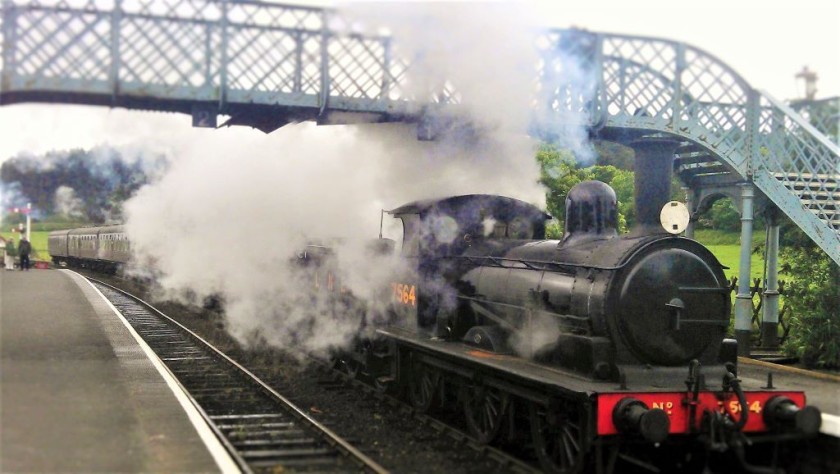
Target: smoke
[[88, 184], [567, 92], [127, 164], [452, 165], [480, 55], [67, 203], [504, 71], [235, 207], [538, 332], [11, 196]]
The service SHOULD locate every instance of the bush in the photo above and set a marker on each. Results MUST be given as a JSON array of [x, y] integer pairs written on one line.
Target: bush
[[814, 298], [721, 216], [553, 229]]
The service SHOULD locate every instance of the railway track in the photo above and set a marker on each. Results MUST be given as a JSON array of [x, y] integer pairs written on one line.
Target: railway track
[[445, 436], [262, 430]]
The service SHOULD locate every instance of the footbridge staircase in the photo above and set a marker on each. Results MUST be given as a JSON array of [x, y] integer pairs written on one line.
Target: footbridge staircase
[[264, 65]]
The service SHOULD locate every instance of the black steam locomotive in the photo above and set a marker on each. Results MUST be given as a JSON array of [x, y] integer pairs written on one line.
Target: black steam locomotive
[[594, 350]]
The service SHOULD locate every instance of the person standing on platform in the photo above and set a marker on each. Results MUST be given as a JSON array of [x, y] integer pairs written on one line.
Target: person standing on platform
[[11, 253], [23, 250]]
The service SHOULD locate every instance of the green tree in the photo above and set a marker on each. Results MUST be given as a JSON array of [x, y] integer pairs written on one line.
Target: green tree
[[622, 182], [625, 190], [559, 173], [101, 179], [615, 154]]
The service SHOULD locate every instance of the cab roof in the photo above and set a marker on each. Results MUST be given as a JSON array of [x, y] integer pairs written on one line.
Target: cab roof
[[499, 206]]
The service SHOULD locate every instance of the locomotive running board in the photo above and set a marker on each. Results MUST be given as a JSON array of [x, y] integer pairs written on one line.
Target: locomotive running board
[[511, 366]]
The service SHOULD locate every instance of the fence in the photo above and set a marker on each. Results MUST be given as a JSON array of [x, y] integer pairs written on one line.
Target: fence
[[757, 300]]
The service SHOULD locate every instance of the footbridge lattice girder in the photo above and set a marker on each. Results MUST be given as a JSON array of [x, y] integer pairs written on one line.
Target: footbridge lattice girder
[[266, 64]]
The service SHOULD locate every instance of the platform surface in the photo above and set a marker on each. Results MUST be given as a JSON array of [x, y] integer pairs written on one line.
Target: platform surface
[[821, 390], [77, 391]]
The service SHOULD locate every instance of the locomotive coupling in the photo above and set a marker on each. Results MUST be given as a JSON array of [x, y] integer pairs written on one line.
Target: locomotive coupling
[[782, 412], [632, 416]]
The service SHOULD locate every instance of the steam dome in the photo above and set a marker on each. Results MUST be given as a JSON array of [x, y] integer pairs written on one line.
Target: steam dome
[[591, 209]]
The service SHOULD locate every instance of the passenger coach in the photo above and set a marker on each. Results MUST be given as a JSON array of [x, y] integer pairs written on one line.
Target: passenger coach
[[103, 248]]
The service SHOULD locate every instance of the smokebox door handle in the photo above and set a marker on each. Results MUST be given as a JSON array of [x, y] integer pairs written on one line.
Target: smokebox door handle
[[675, 308]]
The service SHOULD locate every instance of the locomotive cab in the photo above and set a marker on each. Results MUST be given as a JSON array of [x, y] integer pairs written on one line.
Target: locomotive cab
[[443, 227], [438, 238]]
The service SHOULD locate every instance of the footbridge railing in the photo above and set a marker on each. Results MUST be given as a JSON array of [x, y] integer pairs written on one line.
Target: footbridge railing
[[266, 64]]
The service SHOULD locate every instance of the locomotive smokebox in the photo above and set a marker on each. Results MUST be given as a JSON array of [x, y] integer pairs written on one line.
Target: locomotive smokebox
[[653, 167]]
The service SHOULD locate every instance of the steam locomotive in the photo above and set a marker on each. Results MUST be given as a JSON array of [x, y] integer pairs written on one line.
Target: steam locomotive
[[592, 348], [599, 351]]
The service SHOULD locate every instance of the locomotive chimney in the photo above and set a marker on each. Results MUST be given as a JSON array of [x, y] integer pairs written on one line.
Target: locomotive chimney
[[653, 167]]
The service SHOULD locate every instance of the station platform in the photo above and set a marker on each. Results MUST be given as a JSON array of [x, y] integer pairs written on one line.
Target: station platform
[[821, 390], [80, 393]]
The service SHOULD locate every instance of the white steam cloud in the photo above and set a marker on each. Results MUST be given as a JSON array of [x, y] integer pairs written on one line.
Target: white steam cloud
[[67, 203], [481, 55], [234, 209], [11, 196]]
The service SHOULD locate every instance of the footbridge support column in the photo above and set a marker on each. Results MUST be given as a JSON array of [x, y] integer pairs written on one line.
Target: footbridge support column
[[743, 301], [770, 308], [691, 204]]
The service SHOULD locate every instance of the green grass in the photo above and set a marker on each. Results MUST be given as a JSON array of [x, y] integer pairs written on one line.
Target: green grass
[[716, 237], [727, 249], [40, 233], [730, 256], [720, 237], [725, 246], [39, 243]]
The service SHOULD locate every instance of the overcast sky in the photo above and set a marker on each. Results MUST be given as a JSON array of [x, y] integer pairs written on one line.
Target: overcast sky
[[766, 42]]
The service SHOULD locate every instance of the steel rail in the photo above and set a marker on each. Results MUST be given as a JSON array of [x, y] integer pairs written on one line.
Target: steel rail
[[349, 451]]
